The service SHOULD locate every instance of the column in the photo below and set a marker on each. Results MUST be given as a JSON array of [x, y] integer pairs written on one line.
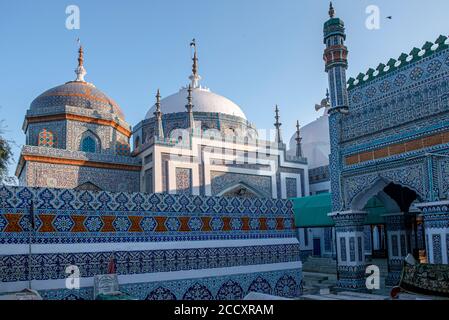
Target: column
[[398, 245], [351, 265], [436, 229]]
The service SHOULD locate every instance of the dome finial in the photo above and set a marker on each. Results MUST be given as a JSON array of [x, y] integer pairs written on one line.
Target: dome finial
[[277, 125], [80, 71], [195, 77], [298, 140], [158, 101], [331, 10], [159, 129]]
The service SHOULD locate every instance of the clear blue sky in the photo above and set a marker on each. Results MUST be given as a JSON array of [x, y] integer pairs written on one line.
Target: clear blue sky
[[255, 52]]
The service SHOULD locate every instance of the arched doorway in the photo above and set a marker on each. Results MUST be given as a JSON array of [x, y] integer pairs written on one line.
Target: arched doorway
[[394, 228]]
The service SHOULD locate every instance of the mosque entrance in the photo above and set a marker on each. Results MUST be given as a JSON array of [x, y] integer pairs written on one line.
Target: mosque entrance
[[395, 226]]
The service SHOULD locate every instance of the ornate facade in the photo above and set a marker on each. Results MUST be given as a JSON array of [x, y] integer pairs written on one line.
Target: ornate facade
[[194, 141], [389, 138], [164, 246]]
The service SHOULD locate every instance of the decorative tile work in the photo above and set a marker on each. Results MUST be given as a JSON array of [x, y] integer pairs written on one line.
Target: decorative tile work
[[352, 249], [183, 181], [221, 181], [52, 266], [123, 149], [343, 249], [319, 174], [437, 253], [447, 246], [68, 216], [351, 277], [69, 176], [283, 283], [394, 243], [412, 176], [291, 187], [47, 139], [79, 94], [403, 246], [360, 248], [395, 149]]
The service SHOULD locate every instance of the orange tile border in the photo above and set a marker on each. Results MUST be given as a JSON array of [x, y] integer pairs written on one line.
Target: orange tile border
[[79, 224], [245, 226], [73, 162], [13, 222], [398, 148], [206, 224], [226, 224], [47, 225], [184, 224], [135, 223], [107, 224], [160, 224]]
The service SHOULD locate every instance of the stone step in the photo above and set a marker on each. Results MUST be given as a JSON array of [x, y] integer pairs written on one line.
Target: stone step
[[316, 297], [342, 297], [364, 295]]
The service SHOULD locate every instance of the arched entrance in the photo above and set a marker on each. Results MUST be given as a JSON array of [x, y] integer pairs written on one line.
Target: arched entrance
[[392, 228]]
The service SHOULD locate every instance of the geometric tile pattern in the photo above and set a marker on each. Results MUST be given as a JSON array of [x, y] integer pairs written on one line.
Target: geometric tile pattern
[[52, 266], [68, 216], [63, 216], [47, 139], [286, 283]]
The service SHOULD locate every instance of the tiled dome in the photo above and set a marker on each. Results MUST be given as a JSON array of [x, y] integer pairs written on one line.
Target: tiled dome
[[77, 94]]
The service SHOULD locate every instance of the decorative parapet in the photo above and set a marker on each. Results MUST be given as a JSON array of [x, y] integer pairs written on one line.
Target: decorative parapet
[[403, 60]]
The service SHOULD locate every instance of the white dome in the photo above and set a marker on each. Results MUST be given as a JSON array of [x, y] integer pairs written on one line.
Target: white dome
[[203, 101], [315, 142]]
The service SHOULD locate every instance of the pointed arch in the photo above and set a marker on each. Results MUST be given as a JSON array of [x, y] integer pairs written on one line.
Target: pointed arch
[[89, 186], [241, 189], [89, 142], [361, 199], [385, 189]]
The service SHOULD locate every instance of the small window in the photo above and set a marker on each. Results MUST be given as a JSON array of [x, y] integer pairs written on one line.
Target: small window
[[88, 145]]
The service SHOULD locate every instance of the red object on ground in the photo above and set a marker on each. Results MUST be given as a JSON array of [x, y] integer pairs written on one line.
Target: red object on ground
[[111, 266], [394, 293]]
